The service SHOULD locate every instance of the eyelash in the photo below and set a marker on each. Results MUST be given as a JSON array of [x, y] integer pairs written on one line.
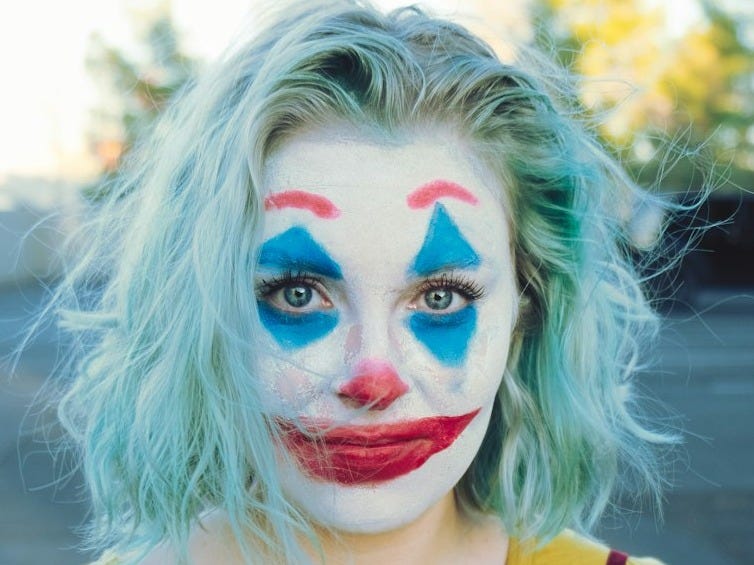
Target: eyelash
[[289, 278], [458, 283]]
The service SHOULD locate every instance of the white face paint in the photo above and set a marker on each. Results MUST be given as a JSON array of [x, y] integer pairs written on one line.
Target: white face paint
[[387, 293]]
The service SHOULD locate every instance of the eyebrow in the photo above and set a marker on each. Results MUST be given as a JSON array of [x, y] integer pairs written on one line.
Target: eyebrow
[[315, 203], [296, 250], [436, 189], [444, 247]]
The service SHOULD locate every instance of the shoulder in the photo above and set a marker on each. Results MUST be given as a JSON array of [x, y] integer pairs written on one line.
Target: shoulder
[[211, 541], [570, 548]]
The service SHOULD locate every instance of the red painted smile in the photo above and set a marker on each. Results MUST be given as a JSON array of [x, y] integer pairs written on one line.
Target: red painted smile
[[352, 455]]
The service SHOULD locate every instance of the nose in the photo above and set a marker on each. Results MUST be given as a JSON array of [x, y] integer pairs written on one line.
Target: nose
[[374, 384]]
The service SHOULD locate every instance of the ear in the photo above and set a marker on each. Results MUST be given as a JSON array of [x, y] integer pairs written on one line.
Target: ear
[[527, 316]]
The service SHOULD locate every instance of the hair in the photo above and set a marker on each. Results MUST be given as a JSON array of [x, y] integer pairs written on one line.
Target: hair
[[164, 407]]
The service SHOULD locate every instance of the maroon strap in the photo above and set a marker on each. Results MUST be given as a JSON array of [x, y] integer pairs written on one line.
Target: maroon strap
[[616, 558]]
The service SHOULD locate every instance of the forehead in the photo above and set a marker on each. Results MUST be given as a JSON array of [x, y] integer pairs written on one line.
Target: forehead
[[329, 158], [384, 188]]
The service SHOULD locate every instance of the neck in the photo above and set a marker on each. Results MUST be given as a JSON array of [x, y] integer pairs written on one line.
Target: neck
[[440, 535]]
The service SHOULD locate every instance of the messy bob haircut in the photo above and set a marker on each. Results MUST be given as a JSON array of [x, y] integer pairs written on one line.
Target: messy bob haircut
[[164, 406]]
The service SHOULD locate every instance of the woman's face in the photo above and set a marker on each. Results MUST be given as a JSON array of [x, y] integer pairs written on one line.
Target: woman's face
[[387, 297]]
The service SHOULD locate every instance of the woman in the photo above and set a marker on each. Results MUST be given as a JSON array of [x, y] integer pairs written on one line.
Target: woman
[[366, 301]]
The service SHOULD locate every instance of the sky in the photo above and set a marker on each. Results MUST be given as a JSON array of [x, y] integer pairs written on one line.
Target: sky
[[48, 95]]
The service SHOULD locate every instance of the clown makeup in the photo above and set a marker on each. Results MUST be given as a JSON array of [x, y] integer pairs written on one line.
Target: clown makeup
[[387, 298]]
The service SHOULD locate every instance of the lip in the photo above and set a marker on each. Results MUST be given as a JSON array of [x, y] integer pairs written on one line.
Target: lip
[[351, 455]]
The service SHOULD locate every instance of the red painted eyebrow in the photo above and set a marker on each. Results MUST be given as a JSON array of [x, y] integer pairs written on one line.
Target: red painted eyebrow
[[428, 193], [316, 204]]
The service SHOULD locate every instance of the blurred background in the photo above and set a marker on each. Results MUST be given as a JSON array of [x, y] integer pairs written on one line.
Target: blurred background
[[669, 86]]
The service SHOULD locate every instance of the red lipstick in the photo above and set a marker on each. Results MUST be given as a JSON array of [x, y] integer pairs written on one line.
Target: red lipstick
[[351, 455]]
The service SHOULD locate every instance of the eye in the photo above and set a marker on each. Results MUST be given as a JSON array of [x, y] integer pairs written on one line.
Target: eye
[[446, 294], [297, 296], [295, 293], [438, 299]]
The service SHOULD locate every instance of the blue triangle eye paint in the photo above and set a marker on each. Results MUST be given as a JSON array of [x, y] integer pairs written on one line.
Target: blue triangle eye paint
[[447, 336], [444, 247], [296, 250]]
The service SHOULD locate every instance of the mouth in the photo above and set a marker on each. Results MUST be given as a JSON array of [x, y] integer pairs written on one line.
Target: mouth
[[351, 455]]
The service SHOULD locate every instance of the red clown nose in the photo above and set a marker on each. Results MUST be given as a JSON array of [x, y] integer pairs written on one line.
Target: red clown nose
[[375, 384]]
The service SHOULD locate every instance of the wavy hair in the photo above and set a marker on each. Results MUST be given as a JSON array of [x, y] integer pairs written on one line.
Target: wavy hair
[[164, 407]]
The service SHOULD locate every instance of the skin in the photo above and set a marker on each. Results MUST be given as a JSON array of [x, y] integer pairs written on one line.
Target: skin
[[377, 247], [381, 246], [440, 536]]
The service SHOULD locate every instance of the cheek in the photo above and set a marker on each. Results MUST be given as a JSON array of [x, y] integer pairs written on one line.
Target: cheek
[[295, 370], [447, 336], [471, 354], [289, 389], [488, 352]]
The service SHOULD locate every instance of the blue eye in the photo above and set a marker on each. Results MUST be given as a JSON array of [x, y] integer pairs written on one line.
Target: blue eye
[[438, 299], [297, 296], [295, 309], [294, 293], [445, 294]]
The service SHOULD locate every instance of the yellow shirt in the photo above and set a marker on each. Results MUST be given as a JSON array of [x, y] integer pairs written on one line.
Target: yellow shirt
[[568, 548]]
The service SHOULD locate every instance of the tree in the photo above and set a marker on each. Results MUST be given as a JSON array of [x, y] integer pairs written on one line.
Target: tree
[[696, 88], [642, 84]]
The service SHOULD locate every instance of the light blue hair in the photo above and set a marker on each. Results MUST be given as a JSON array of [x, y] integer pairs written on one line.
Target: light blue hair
[[164, 406]]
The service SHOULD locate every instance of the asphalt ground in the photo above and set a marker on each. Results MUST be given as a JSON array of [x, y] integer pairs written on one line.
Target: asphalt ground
[[704, 376]]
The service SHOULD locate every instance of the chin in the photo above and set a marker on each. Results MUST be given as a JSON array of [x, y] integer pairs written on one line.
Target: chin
[[373, 508]]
